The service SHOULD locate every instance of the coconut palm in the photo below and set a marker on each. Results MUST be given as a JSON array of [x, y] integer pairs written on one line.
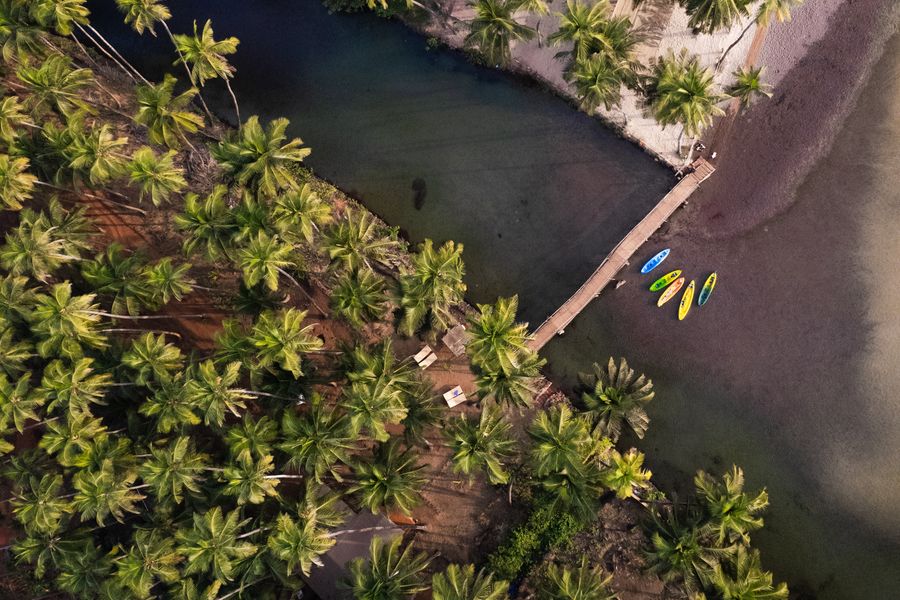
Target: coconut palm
[[380, 365], [708, 16], [497, 341], [560, 441], [680, 91], [598, 82], [250, 480], [579, 583], [155, 175], [372, 405], [71, 438], [35, 249], [208, 223], [151, 558], [206, 58], [389, 573], [280, 339], [391, 481], [84, 573], [748, 85], [103, 493], [165, 281], [172, 408], [299, 545], [252, 438], [356, 242], [433, 287], [54, 85], [580, 24], [259, 159], [359, 297], [731, 512], [573, 490], [72, 386], [211, 545], [625, 475], [744, 579], [263, 258], [679, 551], [64, 323], [461, 582], [513, 387], [95, 156], [73, 226], [423, 411], [172, 469], [779, 10], [117, 274], [617, 395], [317, 440], [46, 551], [494, 28], [17, 404], [40, 507], [20, 36], [12, 115], [15, 351], [152, 360], [215, 393], [481, 443], [300, 214], [166, 116], [16, 183]]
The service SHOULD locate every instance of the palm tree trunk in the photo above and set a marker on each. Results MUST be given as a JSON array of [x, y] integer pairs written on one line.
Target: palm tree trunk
[[734, 43], [237, 111], [100, 313], [187, 69], [127, 69], [113, 202], [131, 330], [116, 52], [302, 289]]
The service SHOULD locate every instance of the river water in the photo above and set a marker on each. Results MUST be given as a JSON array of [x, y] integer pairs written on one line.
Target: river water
[[789, 371]]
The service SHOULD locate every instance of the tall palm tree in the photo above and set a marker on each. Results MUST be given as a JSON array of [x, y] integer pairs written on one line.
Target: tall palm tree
[[250, 480], [433, 287], [744, 579], [281, 339], [95, 156], [16, 352], [359, 297], [389, 573], [580, 25], [117, 274], [208, 222], [423, 411], [617, 395], [358, 241], [708, 16], [72, 438], [258, 158], [171, 407], [83, 573], [215, 393], [165, 281], [155, 175], [35, 249], [211, 545], [779, 10], [54, 85], [497, 340], [372, 405], [598, 82], [263, 259], [391, 481], [560, 440], [151, 558], [680, 552], [380, 365], [152, 360], [12, 115], [16, 183], [46, 551], [318, 440], [299, 545], [252, 438], [40, 507], [172, 469], [206, 57], [20, 35], [72, 386], [680, 91], [513, 387], [579, 583], [494, 28], [103, 493], [17, 404], [165, 115], [461, 582], [732, 513], [300, 214], [64, 323], [625, 474], [748, 85], [481, 443]]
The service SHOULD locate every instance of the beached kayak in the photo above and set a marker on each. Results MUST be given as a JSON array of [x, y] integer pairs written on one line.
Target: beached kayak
[[707, 289], [655, 261], [686, 300], [665, 280], [670, 293]]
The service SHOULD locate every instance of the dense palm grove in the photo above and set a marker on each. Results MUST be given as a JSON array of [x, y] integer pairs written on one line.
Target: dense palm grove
[[138, 465]]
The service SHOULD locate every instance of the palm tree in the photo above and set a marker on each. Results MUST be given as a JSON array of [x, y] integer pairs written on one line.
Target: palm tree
[[46, 551], [318, 440], [299, 544], [19, 34], [118, 274], [263, 259], [259, 159], [171, 406], [151, 558], [494, 28], [461, 582], [206, 57], [250, 479], [85, 572], [679, 551], [748, 85], [215, 393], [166, 115], [15, 352], [598, 81], [95, 155], [560, 441], [12, 115], [212, 545], [155, 175], [580, 25], [16, 183], [63, 323], [35, 249], [252, 217], [280, 338], [513, 387], [433, 287], [209, 223], [423, 411], [372, 405], [744, 579], [252, 438], [152, 359], [71, 438], [391, 481], [481, 443], [72, 386], [17, 404], [300, 214], [580, 583], [625, 475], [389, 573], [54, 84], [615, 396], [103, 493], [172, 469], [40, 508], [732, 513], [165, 281], [359, 297], [708, 16], [356, 242], [768, 10], [680, 91], [573, 490], [497, 341]]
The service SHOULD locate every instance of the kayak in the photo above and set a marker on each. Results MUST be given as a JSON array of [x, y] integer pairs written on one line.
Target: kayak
[[655, 261], [686, 300], [670, 293], [665, 280], [707, 289]]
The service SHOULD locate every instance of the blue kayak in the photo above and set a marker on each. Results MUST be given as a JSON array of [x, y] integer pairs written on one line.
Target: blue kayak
[[655, 261]]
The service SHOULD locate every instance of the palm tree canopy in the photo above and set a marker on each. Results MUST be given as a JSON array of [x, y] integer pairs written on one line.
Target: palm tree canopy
[[299, 545], [579, 583], [615, 395], [497, 340], [732, 512], [748, 85], [433, 287], [482, 443], [211, 544], [317, 440], [205, 55], [167, 116], [388, 573], [155, 176], [391, 481], [16, 183], [625, 474], [744, 579], [143, 15], [495, 27], [708, 16], [680, 91], [461, 582]]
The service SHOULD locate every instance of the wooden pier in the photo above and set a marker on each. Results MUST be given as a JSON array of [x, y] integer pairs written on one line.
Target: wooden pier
[[618, 258]]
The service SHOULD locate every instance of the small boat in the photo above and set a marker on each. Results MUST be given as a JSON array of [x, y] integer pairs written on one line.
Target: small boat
[[670, 293], [707, 289], [665, 280], [655, 261], [686, 300]]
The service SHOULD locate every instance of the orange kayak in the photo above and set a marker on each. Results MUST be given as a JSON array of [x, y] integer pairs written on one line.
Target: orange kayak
[[670, 291]]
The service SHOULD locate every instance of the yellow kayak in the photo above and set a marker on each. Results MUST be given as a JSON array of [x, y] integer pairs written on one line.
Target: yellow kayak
[[670, 291], [686, 300]]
